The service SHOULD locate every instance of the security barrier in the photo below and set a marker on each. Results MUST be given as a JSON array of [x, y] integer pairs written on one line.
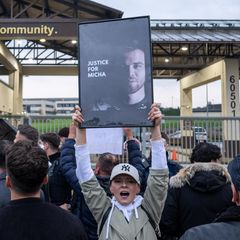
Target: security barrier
[[183, 132]]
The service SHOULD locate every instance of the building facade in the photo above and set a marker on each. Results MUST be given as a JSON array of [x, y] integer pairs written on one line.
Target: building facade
[[49, 106]]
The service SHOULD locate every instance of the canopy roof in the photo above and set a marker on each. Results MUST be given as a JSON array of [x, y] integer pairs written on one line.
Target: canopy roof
[[179, 47]]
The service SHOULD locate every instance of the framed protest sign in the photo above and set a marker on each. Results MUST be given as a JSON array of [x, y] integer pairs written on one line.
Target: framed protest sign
[[115, 73]]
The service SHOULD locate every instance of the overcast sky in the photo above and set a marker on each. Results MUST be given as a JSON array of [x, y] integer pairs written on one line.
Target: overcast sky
[[177, 9], [165, 91]]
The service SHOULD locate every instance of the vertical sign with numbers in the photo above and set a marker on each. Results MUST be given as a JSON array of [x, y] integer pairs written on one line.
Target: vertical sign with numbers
[[233, 94]]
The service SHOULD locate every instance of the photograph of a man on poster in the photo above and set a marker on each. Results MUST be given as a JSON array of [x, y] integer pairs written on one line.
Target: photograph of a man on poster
[[116, 89], [133, 72]]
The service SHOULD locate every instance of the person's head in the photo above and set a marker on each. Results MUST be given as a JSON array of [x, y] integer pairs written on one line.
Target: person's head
[[234, 171], [27, 168], [63, 134], [51, 142], [135, 62], [124, 183], [205, 152], [105, 164], [4, 144], [26, 132]]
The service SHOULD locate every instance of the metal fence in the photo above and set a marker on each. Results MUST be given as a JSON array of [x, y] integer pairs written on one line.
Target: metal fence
[[183, 133]]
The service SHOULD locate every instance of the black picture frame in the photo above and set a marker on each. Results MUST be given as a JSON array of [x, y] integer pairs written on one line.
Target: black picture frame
[[110, 95]]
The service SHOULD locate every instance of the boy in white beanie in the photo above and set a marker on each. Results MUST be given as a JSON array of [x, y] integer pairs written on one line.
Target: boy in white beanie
[[131, 216]]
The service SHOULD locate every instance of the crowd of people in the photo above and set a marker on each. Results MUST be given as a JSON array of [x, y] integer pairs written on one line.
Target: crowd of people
[[48, 189]]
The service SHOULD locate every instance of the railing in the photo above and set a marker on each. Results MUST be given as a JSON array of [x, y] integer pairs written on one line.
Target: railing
[[183, 132], [221, 131]]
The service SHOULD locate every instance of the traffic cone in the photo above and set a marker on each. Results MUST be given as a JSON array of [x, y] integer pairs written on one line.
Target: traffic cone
[[174, 154]]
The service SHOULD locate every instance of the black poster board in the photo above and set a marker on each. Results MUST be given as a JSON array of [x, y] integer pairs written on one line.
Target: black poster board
[[115, 72], [7, 131]]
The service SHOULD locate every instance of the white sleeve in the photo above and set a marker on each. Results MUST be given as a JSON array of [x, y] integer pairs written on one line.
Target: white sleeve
[[84, 171], [159, 159]]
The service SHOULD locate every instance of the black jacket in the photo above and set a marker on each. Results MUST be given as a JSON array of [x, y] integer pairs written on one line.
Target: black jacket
[[32, 219], [196, 195], [226, 226], [4, 191], [59, 189]]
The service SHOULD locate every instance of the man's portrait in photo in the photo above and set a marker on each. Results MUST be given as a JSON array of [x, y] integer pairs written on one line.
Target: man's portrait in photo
[[134, 60]]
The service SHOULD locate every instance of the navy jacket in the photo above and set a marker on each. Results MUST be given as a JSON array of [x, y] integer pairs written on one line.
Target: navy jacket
[[138, 161], [59, 189], [79, 206], [142, 164]]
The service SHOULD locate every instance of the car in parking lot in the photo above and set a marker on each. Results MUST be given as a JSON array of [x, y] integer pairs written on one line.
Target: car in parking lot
[[199, 134]]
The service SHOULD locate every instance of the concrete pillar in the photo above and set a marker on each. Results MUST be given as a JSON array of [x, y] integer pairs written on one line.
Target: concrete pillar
[[17, 78], [186, 101], [6, 98], [11, 95], [204, 76], [230, 88], [230, 106], [187, 139], [227, 71]]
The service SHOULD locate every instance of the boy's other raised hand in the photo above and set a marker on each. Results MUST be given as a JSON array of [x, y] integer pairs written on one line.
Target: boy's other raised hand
[[77, 116], [155, 115], [72, 131], [78, 119], [128, 133]]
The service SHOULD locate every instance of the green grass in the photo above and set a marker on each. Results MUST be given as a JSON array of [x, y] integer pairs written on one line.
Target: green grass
[[168, 125], [51, 125]]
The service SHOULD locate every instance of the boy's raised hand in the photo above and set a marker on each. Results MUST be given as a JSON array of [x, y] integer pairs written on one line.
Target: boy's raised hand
[[155, 115], [77, 116], [78, 119], [72, 131]]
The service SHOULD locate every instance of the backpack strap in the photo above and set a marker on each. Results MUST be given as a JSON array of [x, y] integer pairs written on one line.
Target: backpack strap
[[152, 222], [104, 219]]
